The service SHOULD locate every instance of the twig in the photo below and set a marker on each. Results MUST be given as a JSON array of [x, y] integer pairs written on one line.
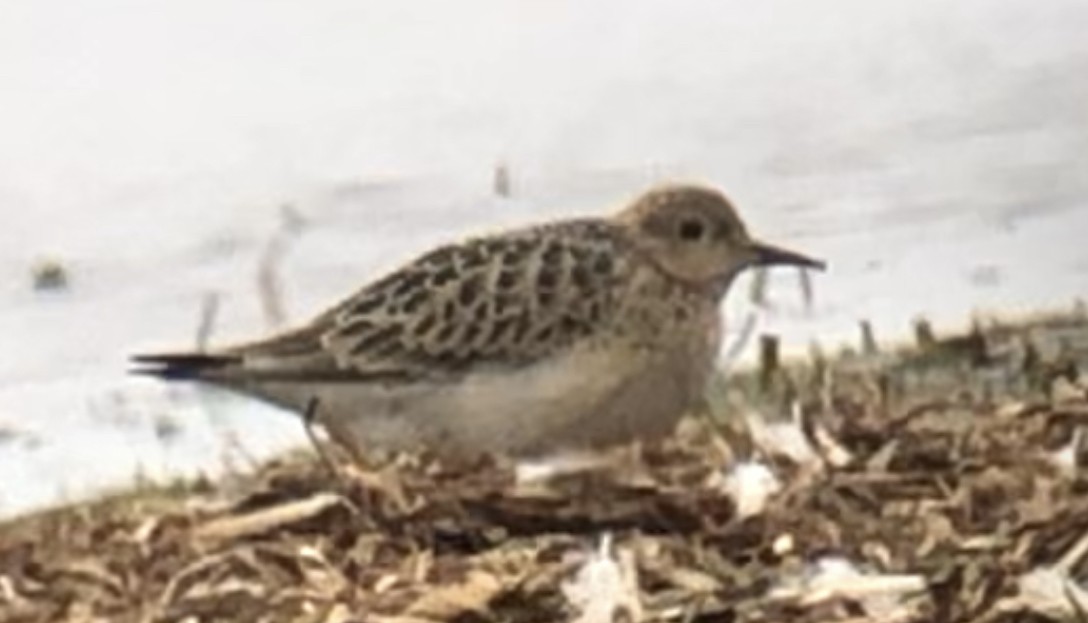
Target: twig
[[189, 575], [747, 329], [868, 339], [853, 587], [266, 519], [268, 273], [757, 294], [768, 360], [923, 334], [501, 180], [1073, 555], [209, 311], [806, 287], [1078, 608], [268, 281]]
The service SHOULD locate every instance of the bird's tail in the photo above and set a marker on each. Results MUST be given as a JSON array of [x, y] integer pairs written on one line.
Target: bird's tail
[[183, 366]]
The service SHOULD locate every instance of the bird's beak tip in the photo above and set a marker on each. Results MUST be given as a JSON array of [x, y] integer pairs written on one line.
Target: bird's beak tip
[[770, 255]]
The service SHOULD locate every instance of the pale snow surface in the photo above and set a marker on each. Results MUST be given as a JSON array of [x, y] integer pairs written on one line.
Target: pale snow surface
[[935, 152]]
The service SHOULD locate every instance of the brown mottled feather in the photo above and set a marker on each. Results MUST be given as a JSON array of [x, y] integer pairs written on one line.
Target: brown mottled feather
[[438, 313], [510, 299]]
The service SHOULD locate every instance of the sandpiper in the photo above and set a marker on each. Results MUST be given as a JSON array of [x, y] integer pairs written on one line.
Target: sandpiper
[[563, 336]]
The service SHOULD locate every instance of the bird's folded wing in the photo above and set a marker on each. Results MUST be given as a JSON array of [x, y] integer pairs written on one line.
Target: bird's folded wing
[[505, 300]]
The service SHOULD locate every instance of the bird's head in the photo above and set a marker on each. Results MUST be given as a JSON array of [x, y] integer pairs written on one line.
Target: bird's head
[[695, 234]]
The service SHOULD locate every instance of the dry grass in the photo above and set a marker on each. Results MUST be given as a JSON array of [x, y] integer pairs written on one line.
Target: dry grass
[[919, 493]]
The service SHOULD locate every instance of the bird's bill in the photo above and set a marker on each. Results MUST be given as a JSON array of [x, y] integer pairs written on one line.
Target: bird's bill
[[770, 255]]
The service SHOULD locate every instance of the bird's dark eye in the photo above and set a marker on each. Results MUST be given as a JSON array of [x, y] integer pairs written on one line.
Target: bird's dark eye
[[691, 230]]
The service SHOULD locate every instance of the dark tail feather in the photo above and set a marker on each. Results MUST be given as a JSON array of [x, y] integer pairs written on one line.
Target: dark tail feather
[[182, 367]]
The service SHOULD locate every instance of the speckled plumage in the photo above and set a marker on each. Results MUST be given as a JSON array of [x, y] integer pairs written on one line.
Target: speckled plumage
[[511, 299], [564, 335]]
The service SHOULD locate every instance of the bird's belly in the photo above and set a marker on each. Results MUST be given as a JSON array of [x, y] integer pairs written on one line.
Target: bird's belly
[[577, 401]]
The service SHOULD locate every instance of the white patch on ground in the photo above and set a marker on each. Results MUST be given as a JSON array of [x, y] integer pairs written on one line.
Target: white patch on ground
[[605, 588], [881, 596], [750, 484]]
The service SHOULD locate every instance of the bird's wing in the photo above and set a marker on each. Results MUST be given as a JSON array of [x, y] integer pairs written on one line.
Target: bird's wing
[[512, 298]]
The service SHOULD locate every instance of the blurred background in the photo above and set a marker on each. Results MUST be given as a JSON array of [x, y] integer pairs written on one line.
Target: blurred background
[[178, 171]]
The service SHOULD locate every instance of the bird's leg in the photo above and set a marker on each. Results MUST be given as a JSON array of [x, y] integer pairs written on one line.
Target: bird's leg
[[359, 471], [309, 417]]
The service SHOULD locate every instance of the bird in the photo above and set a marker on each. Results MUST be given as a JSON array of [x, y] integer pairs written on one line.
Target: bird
[[567, 335]]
